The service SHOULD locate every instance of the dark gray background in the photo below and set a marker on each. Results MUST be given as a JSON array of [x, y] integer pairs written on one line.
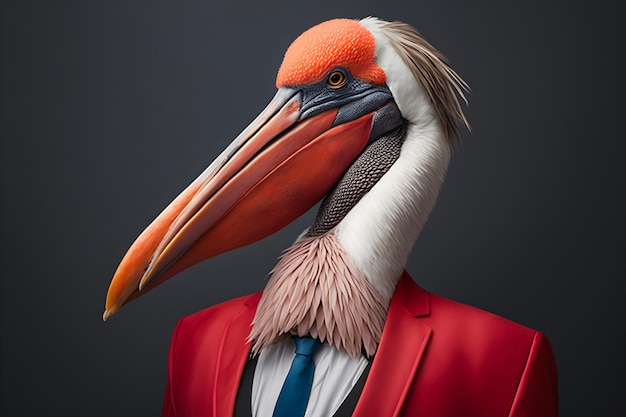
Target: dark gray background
[[110, 108]]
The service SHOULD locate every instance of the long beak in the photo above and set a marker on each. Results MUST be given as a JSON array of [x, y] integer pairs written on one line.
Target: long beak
[[272, 173]]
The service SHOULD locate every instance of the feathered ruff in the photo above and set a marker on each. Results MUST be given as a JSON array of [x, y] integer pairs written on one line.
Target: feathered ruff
[[314, 289]]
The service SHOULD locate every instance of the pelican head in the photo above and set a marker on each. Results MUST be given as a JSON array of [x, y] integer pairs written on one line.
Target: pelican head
[[364, 118]]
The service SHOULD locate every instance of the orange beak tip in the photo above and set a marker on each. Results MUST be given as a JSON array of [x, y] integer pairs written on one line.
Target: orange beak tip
[[109, 312]]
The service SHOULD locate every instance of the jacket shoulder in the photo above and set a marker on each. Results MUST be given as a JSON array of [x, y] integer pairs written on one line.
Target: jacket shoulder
[[465, 318], [219, 315], [453, 317]]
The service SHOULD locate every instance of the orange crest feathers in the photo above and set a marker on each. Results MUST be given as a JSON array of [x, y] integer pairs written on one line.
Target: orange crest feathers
[[335, 43]]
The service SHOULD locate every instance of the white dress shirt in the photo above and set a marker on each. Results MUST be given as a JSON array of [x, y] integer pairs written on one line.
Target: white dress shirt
[[335, 375]]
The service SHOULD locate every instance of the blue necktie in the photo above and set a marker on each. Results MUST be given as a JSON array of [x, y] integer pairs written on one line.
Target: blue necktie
[[294, 395]]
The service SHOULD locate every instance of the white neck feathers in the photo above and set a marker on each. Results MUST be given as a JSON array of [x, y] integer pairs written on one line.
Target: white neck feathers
[[379, 232]]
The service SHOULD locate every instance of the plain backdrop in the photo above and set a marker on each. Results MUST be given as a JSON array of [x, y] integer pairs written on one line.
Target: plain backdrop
[[110, 108]]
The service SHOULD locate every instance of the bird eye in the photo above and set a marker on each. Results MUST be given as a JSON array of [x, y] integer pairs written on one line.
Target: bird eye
[[336, 79]]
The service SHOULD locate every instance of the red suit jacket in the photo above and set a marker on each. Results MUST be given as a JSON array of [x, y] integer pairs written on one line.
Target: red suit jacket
[[436, 358]]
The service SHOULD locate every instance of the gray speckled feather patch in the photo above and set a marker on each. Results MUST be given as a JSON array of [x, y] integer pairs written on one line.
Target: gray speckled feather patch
[[360, 177]]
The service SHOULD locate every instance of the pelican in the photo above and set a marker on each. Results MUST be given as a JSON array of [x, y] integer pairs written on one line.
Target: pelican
[[365, 118]]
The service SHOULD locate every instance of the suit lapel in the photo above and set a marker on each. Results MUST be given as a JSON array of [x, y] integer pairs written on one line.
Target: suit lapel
[[399, 354], [232, 356]]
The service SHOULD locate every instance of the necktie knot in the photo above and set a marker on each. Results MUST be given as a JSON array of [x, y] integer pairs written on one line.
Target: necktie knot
[[306, 345]]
